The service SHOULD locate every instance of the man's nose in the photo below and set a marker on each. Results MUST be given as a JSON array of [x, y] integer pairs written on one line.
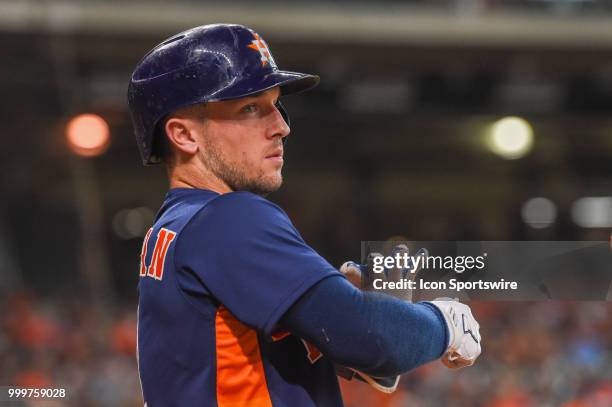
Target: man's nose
[[280, 128]]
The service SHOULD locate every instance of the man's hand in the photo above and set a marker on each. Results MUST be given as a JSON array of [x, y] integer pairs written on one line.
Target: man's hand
[[352, 272], [464, 345], [464, 334]]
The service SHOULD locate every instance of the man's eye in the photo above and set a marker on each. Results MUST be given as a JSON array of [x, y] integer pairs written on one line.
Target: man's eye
[[252, 108]]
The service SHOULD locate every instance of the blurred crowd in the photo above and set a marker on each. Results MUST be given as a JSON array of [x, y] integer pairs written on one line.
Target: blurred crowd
[[85, 348], [534, 354]]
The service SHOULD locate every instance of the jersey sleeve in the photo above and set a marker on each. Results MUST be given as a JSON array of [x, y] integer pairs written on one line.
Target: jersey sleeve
[[248, 255]]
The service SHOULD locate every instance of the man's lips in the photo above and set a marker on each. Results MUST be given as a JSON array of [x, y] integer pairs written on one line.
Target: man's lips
[[276, 154]]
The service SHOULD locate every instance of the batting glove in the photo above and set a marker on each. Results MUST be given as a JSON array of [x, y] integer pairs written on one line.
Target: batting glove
[[464, 334], [383, 384]]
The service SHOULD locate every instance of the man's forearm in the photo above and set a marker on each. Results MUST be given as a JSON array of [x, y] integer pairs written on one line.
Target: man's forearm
[[375, 333]]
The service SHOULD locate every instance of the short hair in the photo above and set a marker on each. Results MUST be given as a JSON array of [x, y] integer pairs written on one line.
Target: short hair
[[162, 150]]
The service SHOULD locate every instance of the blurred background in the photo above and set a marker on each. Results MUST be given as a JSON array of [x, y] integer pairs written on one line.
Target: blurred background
[[442, 120]]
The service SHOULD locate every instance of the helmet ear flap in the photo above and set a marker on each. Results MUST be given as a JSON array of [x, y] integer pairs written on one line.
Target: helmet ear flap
[[283, 113]]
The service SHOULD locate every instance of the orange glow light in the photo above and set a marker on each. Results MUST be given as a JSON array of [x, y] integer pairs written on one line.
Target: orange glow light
[[88, 135]]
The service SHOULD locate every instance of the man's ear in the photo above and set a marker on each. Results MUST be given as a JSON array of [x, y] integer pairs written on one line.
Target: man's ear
[[181, 134]]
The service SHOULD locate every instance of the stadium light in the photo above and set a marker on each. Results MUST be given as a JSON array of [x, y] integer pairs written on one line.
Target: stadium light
[[593, 212], [88, 135], [539, 212], [510, 137], [133, 223]]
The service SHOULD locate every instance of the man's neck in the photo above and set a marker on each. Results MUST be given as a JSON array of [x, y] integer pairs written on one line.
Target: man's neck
[[187, 177]]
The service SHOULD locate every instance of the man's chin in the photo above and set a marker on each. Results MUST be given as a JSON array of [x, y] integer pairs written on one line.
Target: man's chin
[[268, 189], [264, 187]]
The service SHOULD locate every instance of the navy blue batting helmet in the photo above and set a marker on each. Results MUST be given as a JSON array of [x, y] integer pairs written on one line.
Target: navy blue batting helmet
[[209, 63]]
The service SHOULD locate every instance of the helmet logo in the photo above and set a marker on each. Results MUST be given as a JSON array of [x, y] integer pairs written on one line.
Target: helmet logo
[[260, 46]]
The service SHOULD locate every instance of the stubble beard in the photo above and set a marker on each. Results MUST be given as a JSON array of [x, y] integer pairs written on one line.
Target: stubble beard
[[236, 178]]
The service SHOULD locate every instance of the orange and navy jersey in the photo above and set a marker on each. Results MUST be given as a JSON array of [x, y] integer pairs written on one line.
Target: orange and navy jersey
[[217, 274]]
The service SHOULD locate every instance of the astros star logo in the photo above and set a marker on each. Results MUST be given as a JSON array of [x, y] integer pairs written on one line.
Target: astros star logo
[[260, 46]]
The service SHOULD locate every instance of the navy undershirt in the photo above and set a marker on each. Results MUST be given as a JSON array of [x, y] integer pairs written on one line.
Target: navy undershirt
[[372, 332]]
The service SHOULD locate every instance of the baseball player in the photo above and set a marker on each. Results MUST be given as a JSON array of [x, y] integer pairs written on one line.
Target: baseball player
[[235, 309]]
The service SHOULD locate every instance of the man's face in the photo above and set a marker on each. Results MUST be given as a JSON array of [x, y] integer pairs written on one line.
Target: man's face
[[242, 142]]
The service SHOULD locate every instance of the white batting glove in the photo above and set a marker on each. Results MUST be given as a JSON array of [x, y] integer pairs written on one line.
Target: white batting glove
[[464, 334]]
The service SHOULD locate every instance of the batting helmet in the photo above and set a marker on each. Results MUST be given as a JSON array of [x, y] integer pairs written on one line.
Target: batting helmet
[[209, 63]]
